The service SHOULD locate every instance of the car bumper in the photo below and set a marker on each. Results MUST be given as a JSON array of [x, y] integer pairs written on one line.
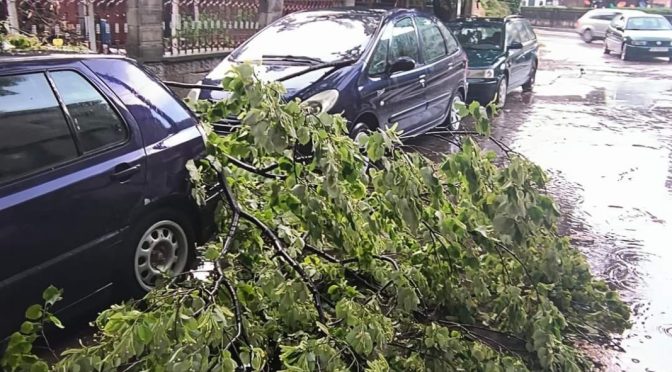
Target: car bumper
[[648, 51], [482, 90]]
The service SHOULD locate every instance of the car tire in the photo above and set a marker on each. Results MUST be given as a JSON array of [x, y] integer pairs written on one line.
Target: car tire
[[529, 85], [166, 236], [587, 36], [624, 53], [453, 120], [606, 48], [502, 92]]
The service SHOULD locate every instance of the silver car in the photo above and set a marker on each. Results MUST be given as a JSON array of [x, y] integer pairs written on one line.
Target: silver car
[[594, 24]]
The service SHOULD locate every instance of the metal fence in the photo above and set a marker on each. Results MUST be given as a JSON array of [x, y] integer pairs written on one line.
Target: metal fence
[[552, 17], [208, 25], [189, 26]]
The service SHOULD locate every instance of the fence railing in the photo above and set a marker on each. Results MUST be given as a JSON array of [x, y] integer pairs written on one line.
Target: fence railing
[[567, 17], [188, 26]]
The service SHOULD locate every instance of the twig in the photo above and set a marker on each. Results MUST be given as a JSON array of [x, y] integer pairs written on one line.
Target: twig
[[527, 273], [258, 171]]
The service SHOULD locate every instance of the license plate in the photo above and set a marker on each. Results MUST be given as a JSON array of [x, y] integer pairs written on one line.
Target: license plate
[[659, 49]]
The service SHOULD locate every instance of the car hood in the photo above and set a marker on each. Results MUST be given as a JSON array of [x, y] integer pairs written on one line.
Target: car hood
[[483, 58], [648, 35], [265, 72]]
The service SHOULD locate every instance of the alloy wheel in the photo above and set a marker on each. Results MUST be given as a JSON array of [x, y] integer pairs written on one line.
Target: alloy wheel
[[162, 250], [502, 90]]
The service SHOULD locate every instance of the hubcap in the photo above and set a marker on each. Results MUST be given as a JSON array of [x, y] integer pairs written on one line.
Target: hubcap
[[162, 250], [501, 93], [455, 113], [587, 35]]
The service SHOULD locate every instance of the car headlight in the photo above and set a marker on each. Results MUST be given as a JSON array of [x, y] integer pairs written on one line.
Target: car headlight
[[638, 42], [194, 94], [321, 102], [481, 73]]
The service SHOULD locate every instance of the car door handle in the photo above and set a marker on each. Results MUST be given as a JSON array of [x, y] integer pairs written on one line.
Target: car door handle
[[422, 80], [123, 172]]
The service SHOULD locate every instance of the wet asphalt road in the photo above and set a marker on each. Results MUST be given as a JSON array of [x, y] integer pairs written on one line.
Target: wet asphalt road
[[602, 128]]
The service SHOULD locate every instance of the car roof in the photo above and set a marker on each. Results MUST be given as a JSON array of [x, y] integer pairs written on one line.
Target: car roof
[[33, 56], [361, 12], [487, 19], [615, 10]]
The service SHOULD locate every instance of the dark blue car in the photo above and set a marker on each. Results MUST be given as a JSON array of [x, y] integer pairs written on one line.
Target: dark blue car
[[376, 67], [94, 193]]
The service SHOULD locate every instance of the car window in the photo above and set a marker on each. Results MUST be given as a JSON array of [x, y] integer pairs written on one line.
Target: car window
[[520, 28], [451, 43], [433, 43], [529, 30], [604, 16], [512, 34], [400, 40], [34, 134], [618, 21], [95, 122], [404, 42]]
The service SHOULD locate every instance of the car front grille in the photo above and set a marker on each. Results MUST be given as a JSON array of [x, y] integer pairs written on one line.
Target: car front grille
[[227, 125]]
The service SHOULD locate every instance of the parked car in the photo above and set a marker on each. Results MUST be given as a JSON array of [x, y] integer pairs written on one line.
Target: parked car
[[503, 55], [375, 67], [94, 193], [639, 35], [594, 23]]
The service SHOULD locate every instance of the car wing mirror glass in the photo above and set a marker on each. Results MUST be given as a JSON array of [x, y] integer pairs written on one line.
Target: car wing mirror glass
[[402, 64]]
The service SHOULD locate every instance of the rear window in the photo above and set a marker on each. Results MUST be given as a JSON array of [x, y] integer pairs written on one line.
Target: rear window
[[34, 134], [325, 36]]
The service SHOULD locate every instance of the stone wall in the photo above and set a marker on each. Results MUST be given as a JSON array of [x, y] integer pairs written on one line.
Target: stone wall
[[186, 69]]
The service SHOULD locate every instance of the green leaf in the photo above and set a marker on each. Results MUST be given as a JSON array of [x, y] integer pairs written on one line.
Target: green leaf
[[144, 333], [39, 366], [55, 321], [27, 328], [51, 295], [34, 312], [303, 135]]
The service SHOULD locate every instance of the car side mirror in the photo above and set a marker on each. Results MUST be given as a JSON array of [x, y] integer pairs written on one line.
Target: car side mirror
[[619, 28], [402, 64], [516, 45]]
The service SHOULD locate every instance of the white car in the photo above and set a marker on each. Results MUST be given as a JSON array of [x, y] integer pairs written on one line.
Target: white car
[[594, 24]]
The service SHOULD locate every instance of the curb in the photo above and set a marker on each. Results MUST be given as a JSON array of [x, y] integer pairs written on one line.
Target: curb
[[552, 29]]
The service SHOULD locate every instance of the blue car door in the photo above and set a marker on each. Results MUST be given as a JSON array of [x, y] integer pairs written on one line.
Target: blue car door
[[71, 170], [444, 69], [398, 98]]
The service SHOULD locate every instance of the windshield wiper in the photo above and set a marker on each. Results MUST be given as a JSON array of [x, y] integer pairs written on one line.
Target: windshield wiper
[[335, 66], [292, 58]]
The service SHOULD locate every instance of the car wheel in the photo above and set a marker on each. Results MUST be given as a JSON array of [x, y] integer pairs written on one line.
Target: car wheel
[[527, 87], [160, 244], [454, 119], [624, 53], [606, 48], [502, 91], [587, 36]]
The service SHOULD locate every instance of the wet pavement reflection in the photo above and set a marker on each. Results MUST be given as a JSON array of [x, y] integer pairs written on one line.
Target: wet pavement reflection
[[602, 128]]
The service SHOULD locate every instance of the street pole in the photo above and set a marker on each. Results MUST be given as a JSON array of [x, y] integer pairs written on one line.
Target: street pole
[[13, 17], [90, 24], [175, 23]]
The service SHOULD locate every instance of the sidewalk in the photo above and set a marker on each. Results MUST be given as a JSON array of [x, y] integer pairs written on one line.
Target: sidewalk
[[555, 29]]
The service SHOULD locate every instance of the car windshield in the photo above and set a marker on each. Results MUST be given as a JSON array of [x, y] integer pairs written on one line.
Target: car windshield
[[313, 37], [479, 36], [648, 23]]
